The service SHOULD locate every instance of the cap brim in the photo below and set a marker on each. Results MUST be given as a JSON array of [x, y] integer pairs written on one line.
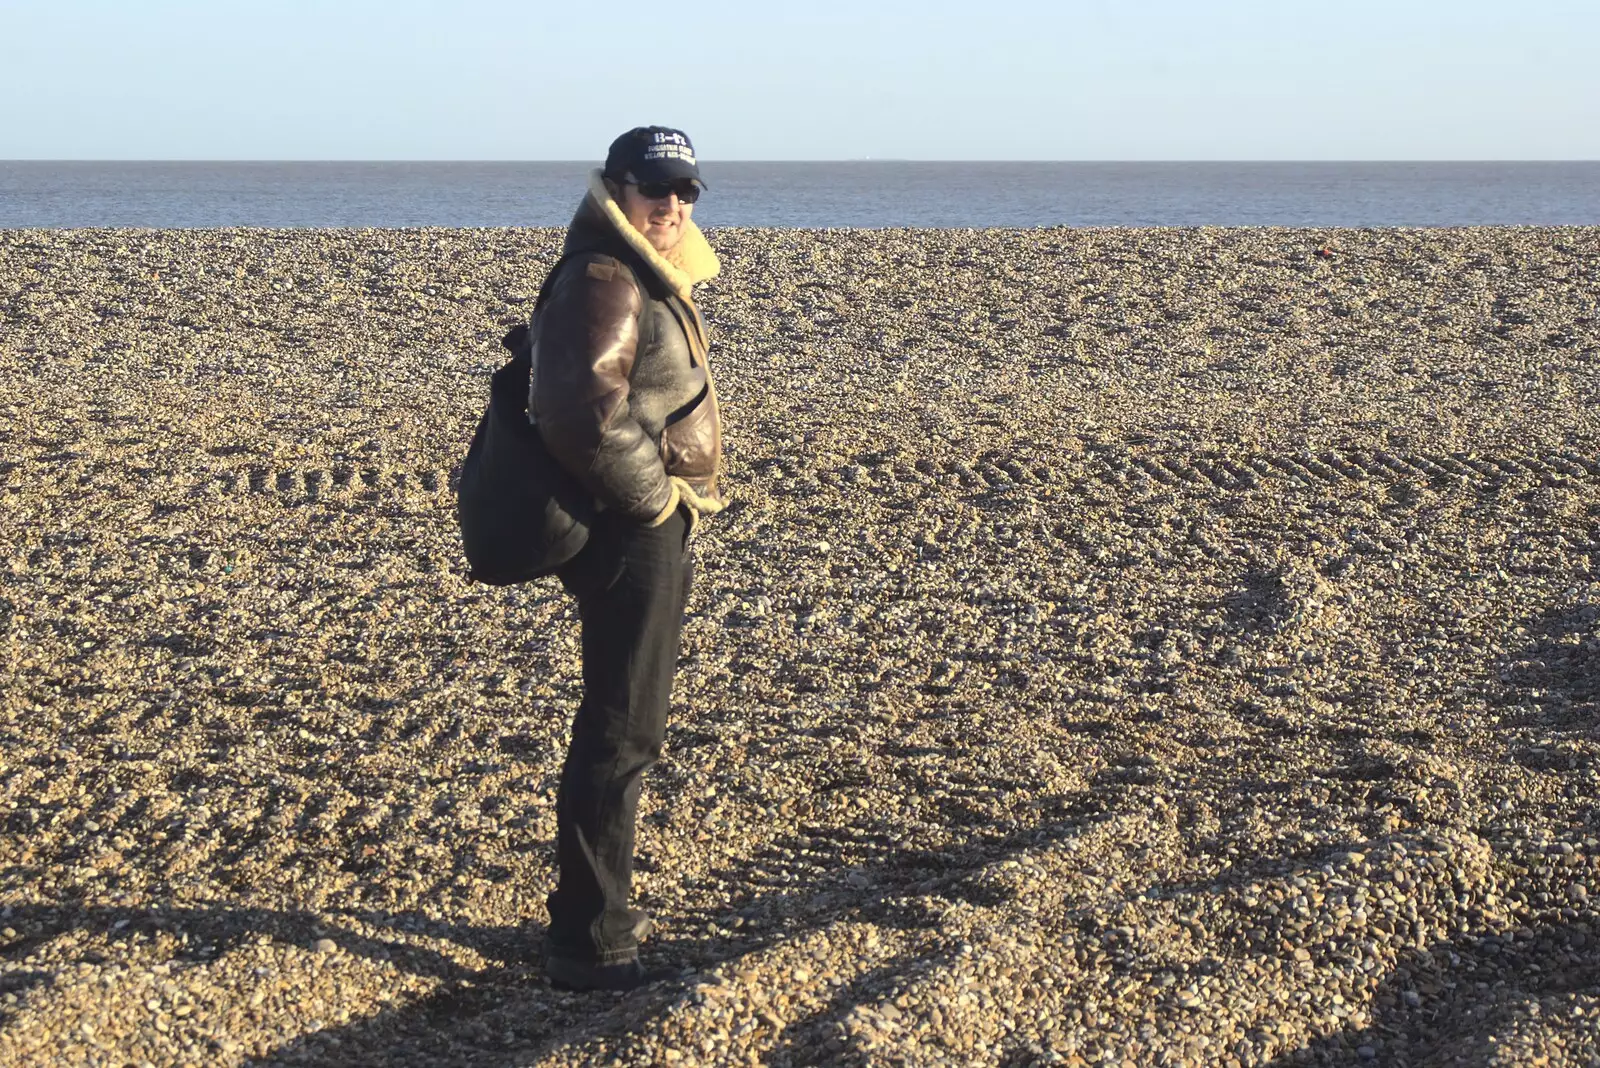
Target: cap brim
[[668, 170]]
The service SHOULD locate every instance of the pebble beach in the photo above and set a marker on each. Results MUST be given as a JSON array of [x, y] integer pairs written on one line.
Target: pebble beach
[[1124, 647]]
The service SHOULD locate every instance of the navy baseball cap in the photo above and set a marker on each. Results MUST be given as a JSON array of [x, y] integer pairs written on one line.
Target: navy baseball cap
[[652, 154]]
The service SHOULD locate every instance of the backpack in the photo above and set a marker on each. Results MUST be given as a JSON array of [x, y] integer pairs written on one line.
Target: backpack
[[522, 515]]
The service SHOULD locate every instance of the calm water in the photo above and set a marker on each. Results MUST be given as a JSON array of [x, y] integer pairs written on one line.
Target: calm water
[[864, 194]]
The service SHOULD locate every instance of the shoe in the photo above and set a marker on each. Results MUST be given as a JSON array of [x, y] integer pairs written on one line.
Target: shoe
[[567, 974]]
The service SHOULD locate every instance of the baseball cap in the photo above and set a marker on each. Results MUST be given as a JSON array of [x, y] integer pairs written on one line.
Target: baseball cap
[[652, 154]]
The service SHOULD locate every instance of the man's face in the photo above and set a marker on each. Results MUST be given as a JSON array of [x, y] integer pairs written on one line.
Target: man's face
[[660, 219]]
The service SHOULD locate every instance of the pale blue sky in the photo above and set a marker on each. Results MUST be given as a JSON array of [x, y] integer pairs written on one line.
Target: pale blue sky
[[815, 79]]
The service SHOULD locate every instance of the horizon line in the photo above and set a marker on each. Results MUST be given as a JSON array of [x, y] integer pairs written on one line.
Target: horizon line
[[719, 162]]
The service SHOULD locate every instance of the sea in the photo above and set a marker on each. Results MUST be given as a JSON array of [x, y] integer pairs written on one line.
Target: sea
[[857, 194]]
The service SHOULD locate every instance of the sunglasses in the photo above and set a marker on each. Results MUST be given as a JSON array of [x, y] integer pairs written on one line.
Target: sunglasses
[[688, 192]]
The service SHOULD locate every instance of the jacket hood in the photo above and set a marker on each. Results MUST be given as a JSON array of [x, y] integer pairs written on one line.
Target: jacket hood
[[687, 264]]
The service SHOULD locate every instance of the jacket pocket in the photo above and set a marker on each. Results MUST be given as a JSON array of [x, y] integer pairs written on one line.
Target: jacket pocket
[[691, 442]]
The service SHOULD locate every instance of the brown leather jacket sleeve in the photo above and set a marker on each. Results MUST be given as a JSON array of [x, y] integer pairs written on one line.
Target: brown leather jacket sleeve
[[586, 334]]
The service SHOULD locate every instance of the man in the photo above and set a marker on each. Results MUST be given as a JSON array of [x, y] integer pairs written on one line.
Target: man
[[623, 399]]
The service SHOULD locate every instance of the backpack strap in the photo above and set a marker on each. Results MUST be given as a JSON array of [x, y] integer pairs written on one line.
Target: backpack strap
[[517, 339]]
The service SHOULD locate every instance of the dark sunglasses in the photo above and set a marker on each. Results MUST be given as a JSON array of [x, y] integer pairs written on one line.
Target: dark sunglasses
[[687, 191]]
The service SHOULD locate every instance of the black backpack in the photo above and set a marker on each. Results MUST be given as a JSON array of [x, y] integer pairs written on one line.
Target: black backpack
[[522, 514]]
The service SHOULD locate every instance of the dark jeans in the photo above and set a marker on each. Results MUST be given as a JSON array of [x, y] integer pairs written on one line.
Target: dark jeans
[[631, 583]]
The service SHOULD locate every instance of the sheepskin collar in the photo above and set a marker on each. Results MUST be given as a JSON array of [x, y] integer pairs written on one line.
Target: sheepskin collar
[[686, 265]]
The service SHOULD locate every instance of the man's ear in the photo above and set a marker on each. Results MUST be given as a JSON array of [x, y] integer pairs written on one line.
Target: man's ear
[[614, 188]]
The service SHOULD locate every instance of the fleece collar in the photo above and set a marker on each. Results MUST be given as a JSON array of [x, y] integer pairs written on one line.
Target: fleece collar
[[690, 262]]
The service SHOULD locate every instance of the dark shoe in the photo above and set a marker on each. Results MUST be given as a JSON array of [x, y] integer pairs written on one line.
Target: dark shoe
[[567, 974]]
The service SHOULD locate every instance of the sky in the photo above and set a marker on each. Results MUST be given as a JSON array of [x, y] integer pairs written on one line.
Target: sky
[[813, 80]]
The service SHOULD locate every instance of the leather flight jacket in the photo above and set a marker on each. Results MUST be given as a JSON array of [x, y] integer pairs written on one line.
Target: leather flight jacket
[[620, 389]]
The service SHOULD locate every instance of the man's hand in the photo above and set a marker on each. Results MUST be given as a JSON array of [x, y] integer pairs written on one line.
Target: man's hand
[[683, 493]]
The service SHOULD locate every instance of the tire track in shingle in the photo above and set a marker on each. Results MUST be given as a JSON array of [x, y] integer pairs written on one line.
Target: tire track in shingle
[[1208, 471], [248, 477]]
